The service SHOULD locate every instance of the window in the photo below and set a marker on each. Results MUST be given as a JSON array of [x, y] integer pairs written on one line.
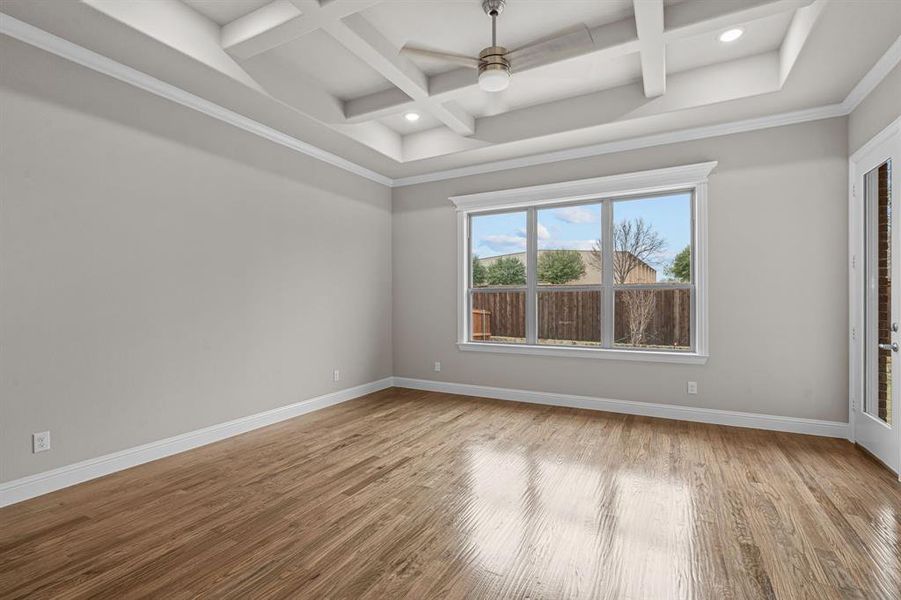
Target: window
[[612, 267]]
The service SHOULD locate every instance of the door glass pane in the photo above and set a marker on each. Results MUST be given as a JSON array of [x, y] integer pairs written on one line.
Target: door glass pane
[[879, 357]]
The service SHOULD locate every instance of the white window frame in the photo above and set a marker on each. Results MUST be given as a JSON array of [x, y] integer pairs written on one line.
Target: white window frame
[[687, 178]]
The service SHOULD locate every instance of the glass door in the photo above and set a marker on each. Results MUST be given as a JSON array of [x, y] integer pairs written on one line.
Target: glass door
[[876, 426]]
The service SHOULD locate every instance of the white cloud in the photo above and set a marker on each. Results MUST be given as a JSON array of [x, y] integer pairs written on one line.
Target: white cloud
[[576, 214], [543, 233], [503, 242], [567, 244]]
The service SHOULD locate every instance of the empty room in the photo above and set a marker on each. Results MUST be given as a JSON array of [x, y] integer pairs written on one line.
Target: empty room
[[450, 299]]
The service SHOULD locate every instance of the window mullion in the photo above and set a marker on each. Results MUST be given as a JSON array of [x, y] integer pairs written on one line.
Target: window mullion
[[607, 294], [532, 276]]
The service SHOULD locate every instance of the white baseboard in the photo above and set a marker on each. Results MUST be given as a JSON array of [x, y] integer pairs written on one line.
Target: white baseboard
[[49, 481], [664, 411]]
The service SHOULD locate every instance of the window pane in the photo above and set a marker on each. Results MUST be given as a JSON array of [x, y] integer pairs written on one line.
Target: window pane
[[499, 317], [569, 317], [569, 245], [653, 319], [652, 240], [498, 249]]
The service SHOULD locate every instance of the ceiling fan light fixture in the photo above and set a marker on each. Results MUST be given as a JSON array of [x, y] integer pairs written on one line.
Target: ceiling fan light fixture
[[494, 80], [494, 69]]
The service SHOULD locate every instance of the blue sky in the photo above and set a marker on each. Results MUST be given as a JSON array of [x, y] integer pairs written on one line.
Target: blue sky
[[578, 227]]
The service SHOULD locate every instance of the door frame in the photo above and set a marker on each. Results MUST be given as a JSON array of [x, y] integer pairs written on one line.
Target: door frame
[[856, 274]]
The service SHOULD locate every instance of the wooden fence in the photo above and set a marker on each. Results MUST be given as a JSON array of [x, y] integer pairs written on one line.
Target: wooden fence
[[575, 316]]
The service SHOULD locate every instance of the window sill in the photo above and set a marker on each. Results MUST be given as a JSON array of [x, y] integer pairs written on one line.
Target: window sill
[[684, 358]]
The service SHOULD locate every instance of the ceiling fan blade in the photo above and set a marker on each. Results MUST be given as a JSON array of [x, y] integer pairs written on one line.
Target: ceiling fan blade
[[455, 59], [572, 41]]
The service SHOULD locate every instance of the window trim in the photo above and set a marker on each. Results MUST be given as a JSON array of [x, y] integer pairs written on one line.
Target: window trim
[[613, 187]]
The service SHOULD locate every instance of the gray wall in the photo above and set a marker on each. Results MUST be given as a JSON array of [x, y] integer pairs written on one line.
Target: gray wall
[[778, 280], [162, 271], [876, 112]]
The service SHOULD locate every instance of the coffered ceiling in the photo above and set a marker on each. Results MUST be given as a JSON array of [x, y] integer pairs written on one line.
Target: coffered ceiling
[[331, 73]]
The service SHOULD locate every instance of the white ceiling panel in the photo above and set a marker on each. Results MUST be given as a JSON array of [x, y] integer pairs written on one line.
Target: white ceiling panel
[[225, 11], [761, 35], [321, 57], [401, 125]]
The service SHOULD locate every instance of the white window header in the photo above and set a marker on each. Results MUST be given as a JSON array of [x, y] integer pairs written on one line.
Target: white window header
[[637, 183]]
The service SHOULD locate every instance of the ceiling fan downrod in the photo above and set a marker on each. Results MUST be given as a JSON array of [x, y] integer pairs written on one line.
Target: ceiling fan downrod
[[494, 68]]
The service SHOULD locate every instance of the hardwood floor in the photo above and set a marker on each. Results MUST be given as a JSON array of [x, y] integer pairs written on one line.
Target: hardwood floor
[[407, 494]]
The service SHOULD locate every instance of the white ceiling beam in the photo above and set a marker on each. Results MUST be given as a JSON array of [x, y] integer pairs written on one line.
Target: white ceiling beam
[[274, 24], [196, 36], [798, 31], [282, 21], [359, 36], [649, 23], [377, 105]]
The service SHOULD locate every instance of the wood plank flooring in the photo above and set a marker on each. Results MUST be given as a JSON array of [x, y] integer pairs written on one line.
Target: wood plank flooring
[[407, 494]]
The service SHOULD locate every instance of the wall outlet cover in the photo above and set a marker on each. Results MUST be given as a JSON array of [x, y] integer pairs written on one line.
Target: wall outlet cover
[[40, 442], [692, 387]]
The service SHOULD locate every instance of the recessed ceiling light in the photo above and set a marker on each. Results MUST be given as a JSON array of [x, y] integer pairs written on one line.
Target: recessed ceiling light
[[730, 35], [412, 117]]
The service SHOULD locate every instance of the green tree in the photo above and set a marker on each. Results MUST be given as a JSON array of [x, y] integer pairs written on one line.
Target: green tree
[[506, 270], [681, 267], [560, 266], [479, 272]]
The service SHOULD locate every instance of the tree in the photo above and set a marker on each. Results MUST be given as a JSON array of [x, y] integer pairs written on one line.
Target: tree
[[680, 270], [479, 272], [635, 243], [560, 266], [506, 270]]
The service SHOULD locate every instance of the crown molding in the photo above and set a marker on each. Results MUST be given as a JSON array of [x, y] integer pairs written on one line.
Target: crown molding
[[48, 42], [44, 40]]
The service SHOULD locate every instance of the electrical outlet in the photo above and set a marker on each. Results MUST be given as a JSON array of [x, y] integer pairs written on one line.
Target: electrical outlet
[[692, 387], [40, 442], [437, 367], [337, 375]]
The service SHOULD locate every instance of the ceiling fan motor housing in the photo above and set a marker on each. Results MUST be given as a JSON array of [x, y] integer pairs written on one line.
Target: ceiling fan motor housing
[[492, 59]]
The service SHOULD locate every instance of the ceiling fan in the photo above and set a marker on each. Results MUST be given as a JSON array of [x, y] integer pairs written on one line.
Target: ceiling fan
[[493, 62]]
